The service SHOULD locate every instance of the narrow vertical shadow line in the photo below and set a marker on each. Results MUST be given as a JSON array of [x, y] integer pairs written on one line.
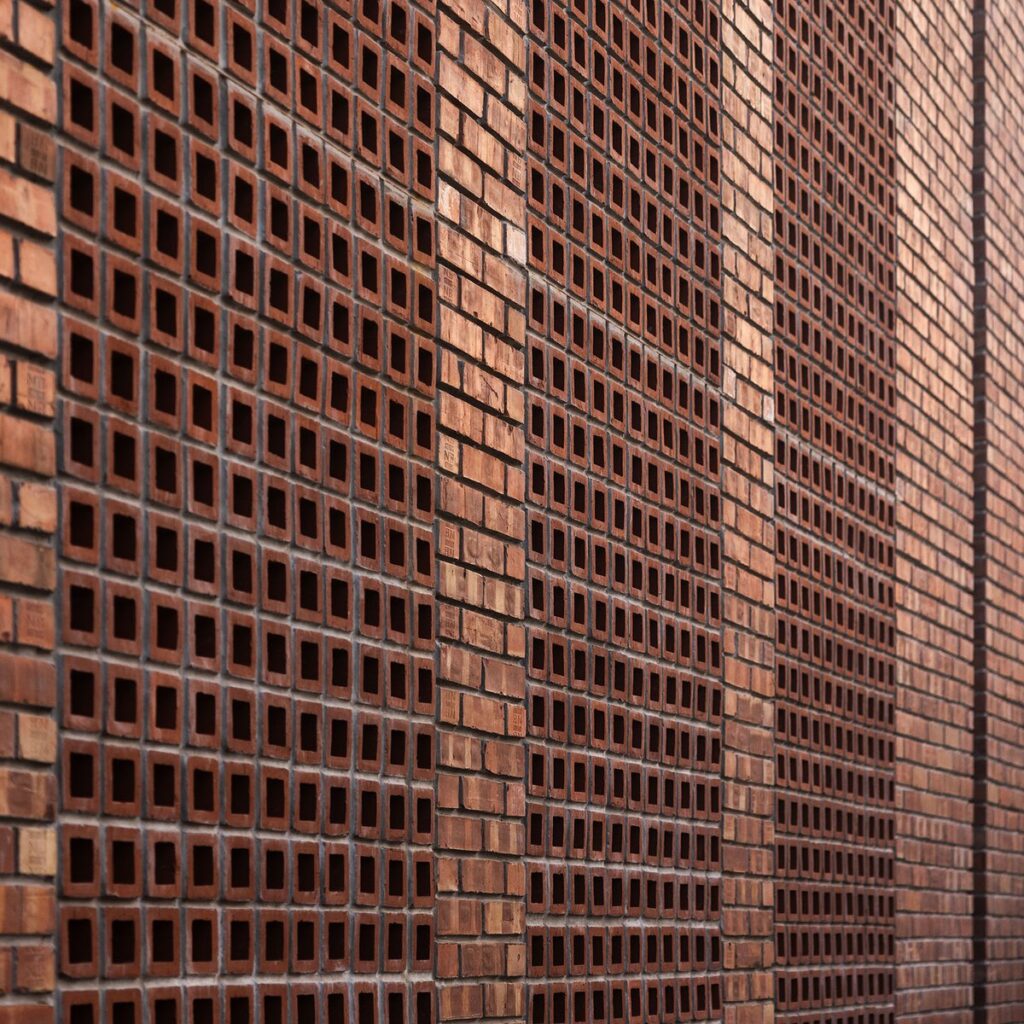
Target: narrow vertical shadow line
[[980, 469]]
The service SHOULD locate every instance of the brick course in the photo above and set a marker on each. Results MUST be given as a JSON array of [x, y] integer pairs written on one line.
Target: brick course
[[509, 510]]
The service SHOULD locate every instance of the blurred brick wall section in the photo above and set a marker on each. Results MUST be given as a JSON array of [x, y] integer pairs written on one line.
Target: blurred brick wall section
[[28, 511], [933, 512], [999, 498], [481, 215]]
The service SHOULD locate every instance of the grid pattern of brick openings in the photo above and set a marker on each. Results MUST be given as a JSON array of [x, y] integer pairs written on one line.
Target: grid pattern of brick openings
[[624, 556], [248, 370], [835, 441]]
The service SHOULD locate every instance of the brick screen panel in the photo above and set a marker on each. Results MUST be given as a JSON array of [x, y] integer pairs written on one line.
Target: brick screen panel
[[835, 527], [248, 368], [624, 562]]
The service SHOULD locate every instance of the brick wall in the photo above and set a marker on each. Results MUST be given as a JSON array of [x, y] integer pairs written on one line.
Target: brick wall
[[934, 696], [835, 406], [508, 510], [624, 552], [481, 836], [248, 481], [748, 512], [28, 512]]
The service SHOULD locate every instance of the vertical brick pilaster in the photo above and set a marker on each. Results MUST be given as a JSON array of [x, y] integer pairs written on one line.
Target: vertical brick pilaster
[[480, 833], [998, 375], [748, 511], [28, 512], [933, 512]]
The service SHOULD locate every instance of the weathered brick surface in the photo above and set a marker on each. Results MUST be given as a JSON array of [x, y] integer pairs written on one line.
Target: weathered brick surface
[[510, 511], [28, 560]]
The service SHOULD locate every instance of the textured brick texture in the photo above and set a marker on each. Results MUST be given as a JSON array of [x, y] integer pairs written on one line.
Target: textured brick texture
[[623, 491], [748, 513], [511, 510], [249, 362], [481, 836]]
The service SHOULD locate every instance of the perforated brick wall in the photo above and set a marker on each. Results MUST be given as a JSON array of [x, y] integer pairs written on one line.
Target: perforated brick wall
[[623, 428], [835, 477], [508, 511], [248, 361]]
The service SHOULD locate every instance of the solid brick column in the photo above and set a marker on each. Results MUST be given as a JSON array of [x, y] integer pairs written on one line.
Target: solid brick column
[[28, 513], [998, 373], [748, 511], [933, 513], [481, 211]]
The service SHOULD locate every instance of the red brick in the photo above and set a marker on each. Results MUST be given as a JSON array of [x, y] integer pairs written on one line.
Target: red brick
[[30, 204], [35, 972], [30, 90], [27, 325], [27, 562], [26, 794], [36, 33], [25, 445]]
